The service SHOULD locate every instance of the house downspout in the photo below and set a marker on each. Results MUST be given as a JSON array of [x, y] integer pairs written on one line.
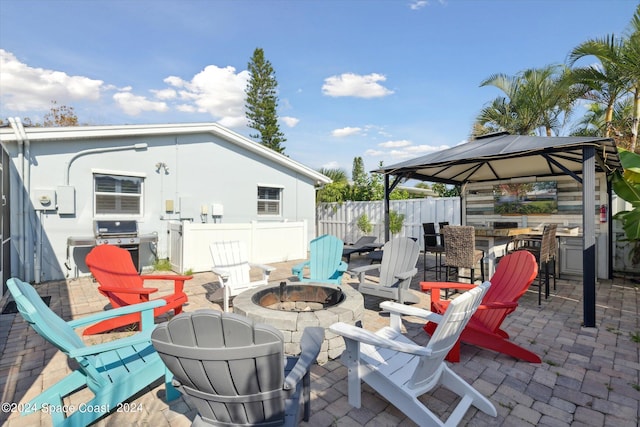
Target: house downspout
[[21, 212], [29, 244]]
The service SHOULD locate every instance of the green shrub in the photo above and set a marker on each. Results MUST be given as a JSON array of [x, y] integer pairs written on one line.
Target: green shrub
[[364, 224]]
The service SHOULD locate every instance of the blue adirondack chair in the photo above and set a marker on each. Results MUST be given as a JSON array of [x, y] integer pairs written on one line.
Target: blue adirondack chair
[[325, 264], [113, 371]]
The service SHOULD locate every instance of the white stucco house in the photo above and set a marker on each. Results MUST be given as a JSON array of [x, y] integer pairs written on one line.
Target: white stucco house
[[162, 177]]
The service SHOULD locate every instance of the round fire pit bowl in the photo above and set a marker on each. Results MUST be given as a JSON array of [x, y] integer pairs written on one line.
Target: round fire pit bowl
[[292, 306]]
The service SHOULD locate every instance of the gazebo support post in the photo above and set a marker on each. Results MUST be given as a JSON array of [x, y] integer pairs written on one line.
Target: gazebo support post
[[589, 235], [388, 188], [387, 193]]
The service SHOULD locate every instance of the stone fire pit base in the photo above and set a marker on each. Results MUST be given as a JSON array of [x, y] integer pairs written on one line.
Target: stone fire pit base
[[291, 324]]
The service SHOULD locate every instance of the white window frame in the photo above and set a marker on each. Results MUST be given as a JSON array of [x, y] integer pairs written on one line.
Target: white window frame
[[280, 189], [116, 174]]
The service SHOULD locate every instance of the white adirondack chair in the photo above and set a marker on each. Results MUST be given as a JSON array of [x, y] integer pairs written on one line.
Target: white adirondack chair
[[230, 263], [397, 268], [401, 370]]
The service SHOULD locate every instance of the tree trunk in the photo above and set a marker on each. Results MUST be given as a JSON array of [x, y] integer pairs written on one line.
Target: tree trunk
[[636, 118], [608, 119]]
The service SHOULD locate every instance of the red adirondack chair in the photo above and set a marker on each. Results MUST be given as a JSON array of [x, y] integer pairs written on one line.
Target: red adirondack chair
[[512, 278], [119, 281]]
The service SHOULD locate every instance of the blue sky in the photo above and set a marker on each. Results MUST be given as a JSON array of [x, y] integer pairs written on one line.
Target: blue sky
[[386, 80]]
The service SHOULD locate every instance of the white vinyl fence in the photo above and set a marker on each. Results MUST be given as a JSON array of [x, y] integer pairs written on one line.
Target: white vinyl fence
[[267, 242], [341, 219]]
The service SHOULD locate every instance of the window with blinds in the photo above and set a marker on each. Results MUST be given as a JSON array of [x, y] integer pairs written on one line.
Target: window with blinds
[[269, 200], [117, 195]]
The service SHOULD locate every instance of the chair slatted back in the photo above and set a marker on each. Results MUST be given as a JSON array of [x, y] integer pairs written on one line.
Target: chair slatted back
[[399, 255], [113, 266], [231, 256], [548, 244], [325, 257], [230, 367], [513, 276], [454, 320], [430, 236], [460, 243]]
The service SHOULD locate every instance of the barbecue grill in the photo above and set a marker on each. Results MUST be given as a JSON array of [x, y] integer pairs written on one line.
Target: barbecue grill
[[116, 232], [121, 233]]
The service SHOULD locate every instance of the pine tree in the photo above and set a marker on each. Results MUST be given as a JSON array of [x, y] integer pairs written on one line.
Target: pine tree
[[261, 102]]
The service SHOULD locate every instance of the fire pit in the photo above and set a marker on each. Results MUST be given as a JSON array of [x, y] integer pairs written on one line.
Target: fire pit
[[290, 307], [298, 298]]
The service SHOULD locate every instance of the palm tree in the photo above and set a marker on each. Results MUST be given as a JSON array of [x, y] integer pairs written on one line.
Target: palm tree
[[604, 81], [335, 191], [594, 122], [617, 74], [536, 99], [336, 174], [507, 113]]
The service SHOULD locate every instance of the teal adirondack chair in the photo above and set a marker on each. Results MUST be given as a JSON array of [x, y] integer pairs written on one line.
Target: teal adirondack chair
[[114, 371], [325, 264]]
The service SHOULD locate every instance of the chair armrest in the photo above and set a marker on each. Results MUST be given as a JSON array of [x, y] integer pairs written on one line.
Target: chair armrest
[[361, 335], [116, 312], [397, 309], [435, 287], [365, 268], [178, 281], [165, 277], [220, 272], [310, 344], [426, 286], [360, 271], [137, 291], [141, 337], [498, 305], [343, 266], [297, 269], [407, 274], [266, 268]]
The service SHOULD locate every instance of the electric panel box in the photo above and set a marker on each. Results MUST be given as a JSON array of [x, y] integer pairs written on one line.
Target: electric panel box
[[66, 199]]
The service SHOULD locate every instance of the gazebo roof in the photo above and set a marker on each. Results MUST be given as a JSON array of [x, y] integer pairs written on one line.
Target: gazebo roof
[[504, 156]]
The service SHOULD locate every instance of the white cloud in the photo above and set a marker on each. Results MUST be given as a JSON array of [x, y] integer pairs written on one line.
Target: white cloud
[[395, 144], [217, 91], [348, 131], [349, 84], [419, 4], [374, 153], [331, 165], [402, 150], [290, 121], [165, 94], [26, 88], [135, 104]]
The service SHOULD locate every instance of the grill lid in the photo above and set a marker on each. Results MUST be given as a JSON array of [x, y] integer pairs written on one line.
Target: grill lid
[[115, 228]]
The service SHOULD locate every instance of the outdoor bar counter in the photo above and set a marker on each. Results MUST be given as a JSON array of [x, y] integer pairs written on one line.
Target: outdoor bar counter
[[494, 241]]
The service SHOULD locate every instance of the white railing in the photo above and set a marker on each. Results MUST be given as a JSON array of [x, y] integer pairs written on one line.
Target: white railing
[[267, 242], [341, 219]]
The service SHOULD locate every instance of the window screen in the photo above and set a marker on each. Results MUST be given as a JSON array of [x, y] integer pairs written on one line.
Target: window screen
[[117, 195]]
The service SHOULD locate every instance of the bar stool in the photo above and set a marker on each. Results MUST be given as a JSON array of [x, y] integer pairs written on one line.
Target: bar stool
[[431, 246], [544, 248], [460, 251]]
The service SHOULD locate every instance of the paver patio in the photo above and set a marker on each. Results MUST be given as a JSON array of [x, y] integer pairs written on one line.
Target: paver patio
[[589, 376]]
